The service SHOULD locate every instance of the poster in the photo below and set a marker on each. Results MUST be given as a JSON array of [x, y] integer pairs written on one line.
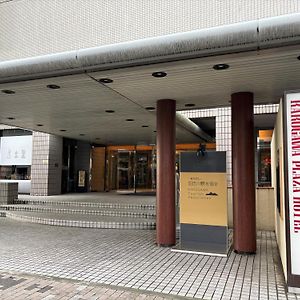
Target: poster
[[16, 150], [81, 178], [202, 198]]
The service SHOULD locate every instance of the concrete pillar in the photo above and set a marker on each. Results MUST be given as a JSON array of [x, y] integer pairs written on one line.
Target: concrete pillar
[[243, 173], [46, 167], [165, 193]]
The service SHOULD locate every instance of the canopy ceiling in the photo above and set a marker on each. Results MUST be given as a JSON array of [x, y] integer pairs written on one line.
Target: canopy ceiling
[[79, 105]]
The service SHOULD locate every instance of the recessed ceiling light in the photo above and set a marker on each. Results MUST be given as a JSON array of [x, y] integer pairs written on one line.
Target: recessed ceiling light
[[129, 120], [53, 86], [189, 105], [82, 134], [159, 74], [11, 118], [8, 92], [110, 111], [150, 108], [105, 80], [221, 67], [145, 126], [39, 125], [62, 130]]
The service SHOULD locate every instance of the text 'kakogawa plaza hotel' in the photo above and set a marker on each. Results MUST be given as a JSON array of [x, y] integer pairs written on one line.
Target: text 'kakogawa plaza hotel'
[[194, 102]]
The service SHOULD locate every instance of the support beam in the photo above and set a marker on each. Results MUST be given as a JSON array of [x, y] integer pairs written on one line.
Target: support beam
[[243, 174], [165, 193]]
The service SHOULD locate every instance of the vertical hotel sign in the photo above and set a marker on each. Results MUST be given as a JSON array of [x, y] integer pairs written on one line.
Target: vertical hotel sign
[[293, 164]]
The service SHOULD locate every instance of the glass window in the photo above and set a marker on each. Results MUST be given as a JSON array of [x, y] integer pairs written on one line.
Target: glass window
[[15, 172], [264, 158]]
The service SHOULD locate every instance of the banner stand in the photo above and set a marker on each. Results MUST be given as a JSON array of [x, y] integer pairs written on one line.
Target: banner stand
[[203, 204]]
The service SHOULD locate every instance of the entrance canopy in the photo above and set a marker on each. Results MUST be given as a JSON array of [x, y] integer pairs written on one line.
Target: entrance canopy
[[108, 94]]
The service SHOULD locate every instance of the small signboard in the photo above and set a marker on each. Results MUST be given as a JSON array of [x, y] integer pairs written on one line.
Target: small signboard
[[203, 202], [81, 178], [16, 150]]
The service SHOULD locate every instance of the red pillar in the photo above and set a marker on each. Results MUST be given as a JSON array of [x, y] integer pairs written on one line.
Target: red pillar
[[243, 176], [165, 193]]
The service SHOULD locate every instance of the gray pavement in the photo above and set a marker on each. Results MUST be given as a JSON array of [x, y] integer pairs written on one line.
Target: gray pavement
[[130, 259]]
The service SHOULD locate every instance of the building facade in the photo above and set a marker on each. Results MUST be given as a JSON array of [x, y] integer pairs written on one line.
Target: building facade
[[69, 25], [114, 72]]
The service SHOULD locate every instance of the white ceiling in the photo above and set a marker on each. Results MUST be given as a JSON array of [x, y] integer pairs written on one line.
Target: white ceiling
[[79, 105]]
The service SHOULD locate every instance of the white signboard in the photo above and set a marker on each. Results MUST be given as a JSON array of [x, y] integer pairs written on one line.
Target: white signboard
[[293, 148], [16, 150]]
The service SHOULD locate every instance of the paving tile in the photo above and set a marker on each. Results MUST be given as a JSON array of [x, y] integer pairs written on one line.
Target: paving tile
[[129, 258]]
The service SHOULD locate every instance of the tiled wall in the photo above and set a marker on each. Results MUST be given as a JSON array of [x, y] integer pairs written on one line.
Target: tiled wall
[[37, 27], [46, 166], [223, 137], [223, 127], [8, 192], [39, 166]]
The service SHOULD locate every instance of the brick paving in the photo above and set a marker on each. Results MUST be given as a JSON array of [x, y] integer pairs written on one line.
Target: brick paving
[[17, 286], [130, 259]]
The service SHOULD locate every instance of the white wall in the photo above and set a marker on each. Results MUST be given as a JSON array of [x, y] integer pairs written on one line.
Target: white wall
[[265, 215], [277, 154], [37, 27]]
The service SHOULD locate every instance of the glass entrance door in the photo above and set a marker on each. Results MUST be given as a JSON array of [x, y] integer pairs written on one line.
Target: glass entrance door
[[143, 170], [125, 171], [136, 171]]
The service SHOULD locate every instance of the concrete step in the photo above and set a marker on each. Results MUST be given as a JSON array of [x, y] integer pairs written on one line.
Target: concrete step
[[113, 205], [82, 220], [93, 199], [86, 210]]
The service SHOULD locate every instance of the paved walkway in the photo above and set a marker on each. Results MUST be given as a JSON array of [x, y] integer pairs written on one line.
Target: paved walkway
[[130, 258], [16, 286]]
